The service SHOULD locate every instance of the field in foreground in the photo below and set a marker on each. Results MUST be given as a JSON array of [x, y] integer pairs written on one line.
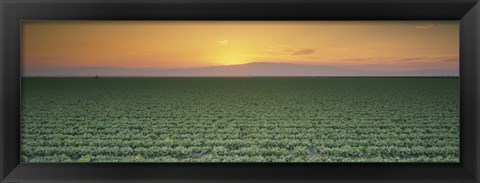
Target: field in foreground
[[240, 120]]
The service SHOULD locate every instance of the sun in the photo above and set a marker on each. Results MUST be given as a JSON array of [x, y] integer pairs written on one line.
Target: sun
[[228, 55], [229, 59]]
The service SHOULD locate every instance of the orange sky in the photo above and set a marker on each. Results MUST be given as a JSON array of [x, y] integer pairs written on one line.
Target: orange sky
[[381, 45]]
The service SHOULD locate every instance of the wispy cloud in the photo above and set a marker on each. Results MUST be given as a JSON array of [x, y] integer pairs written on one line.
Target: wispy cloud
[[303, 52], [223, 42], [428, 25], [410, 59], [437, 59], [449, 59], [405, 60]]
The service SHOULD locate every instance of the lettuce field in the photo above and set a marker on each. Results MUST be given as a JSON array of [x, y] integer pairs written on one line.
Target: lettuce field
[[249, 119]]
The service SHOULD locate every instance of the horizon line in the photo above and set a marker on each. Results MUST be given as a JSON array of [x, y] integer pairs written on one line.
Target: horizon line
[[197, 67], [97, 77]]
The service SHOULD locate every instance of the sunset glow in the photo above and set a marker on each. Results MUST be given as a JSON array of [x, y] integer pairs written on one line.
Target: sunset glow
[[373, 45]]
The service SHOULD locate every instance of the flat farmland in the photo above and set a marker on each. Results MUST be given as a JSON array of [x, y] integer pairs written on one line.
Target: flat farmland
[[249, 119]]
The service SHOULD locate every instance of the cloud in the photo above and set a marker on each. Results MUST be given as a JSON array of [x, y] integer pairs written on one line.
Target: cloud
[[428, 25], [414, 59], [406, 60], [222, 42], [437, 59], [303, 52], [449, 59]]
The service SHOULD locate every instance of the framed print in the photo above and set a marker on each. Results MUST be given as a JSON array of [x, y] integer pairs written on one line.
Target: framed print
[[283, 91], [239, 91]]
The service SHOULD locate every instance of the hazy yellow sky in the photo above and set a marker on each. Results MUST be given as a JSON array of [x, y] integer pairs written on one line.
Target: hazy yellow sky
[[382, 45]]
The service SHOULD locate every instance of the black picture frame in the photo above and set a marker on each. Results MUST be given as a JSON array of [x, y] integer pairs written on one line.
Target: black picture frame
[[12, 12]]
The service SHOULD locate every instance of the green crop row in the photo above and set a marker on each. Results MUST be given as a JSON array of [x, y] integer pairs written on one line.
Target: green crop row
[[240, 120]]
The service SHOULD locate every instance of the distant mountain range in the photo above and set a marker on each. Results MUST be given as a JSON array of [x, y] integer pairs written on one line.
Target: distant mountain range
[[250, 69]]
